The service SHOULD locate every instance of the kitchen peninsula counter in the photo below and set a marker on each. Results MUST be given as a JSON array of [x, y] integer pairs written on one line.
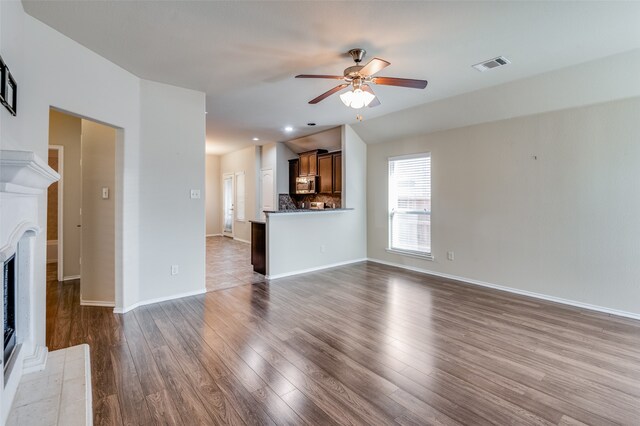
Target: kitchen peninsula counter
[[304, 211]]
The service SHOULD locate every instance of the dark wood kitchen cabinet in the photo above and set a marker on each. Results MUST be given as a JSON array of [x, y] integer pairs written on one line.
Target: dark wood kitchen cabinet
[[294, 170], [259, 247], [330, 172], [325, 170], [309, 162], [337, 172]]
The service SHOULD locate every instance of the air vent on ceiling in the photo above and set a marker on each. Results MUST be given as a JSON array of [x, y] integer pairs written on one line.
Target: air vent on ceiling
[[492, 63]]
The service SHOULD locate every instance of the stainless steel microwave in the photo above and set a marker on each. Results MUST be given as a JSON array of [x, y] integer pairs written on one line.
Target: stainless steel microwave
[[307, 185]]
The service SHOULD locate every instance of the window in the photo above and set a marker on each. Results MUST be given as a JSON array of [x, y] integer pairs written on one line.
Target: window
[[410, 204], [240, 200]]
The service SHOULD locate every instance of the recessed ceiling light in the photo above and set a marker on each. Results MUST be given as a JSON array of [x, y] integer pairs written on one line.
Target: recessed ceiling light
[[288, 129], [255, 139]]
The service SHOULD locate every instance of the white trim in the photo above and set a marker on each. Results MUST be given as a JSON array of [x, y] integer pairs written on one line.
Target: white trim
[[410, 156], [213, 235], [158, 300], [241, 240], [318, 268], [514, 290], [87, 385], [71, 278], [96, 303], [425, 256]]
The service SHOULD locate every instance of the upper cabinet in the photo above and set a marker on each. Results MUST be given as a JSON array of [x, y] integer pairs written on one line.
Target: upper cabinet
[[337, 172], [294, 169], [309, 162], [330, 172]]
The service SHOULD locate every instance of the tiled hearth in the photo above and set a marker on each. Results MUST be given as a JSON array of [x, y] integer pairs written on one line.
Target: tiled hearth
[[58, 395]]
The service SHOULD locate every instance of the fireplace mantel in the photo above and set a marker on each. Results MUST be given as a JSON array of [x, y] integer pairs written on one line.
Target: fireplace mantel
[[24, 178], [23, 172]]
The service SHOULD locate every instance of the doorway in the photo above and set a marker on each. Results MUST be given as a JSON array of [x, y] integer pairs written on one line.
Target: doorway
[[85, 225], [55, 212], [227, 197]]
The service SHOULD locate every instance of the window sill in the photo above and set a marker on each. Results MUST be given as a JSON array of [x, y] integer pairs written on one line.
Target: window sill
[[425, 256]]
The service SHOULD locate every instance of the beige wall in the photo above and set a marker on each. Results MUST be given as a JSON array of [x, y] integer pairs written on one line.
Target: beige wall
[[213, 195], [247, 161], [98, 214], [65, 130], [546, 203], [52, 200]]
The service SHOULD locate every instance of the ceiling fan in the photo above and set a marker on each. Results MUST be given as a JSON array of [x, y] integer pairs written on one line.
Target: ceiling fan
[[360, 78]]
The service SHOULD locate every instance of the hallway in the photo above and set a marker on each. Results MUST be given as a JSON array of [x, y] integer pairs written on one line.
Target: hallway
[[229, 264]]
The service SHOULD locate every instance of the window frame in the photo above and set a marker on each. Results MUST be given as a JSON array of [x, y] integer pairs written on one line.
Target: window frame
[[390, 209]]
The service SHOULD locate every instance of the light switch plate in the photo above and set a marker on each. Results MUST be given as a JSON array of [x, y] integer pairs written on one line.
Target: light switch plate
[[195, 193], [105, 193]]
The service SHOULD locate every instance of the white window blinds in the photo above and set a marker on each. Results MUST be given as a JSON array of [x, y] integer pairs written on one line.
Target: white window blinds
[[240, 196], [410, 204]]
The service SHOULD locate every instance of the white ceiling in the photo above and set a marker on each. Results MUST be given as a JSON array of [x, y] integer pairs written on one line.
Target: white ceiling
[[244, 54]]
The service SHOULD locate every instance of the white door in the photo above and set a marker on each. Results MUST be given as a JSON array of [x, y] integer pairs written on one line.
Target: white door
[[227, 195], [268, 201]]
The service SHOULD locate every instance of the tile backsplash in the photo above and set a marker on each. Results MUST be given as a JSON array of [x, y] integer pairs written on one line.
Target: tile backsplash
[[289, 202]]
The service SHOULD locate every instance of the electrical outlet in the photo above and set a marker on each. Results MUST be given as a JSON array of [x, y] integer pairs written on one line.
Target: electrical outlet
[[323, 248], [174, 269], [195, 193], [450, 255]]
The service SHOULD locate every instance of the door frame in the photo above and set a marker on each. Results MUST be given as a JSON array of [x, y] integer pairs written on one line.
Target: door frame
[[60, 268], [233, 197]]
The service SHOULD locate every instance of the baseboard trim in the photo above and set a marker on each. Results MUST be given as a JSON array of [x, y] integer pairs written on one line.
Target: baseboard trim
[[71, 278], [540, 296], [241, 240], [96, 303], [318, 268], [158, 300], [213, 235]]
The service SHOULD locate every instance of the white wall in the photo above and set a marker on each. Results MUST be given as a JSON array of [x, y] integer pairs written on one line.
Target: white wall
[[330, 238], [247, 161], [602, 80], [546, 203], [213, 196], [165, 133], [283, 155], [97, 284], [172, 225]]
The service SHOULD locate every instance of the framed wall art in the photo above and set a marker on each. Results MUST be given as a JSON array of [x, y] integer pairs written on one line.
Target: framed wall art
[[3, 76], [10, 92]]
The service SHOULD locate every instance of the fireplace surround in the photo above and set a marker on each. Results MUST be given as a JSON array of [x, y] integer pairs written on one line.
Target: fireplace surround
[[9, 306], [24, 178]]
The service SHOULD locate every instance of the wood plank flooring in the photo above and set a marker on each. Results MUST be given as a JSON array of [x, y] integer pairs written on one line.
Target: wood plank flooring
[[355, 345], [229, 264]]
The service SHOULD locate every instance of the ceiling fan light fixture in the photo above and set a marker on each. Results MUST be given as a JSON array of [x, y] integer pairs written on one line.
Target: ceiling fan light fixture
[[356, 98]]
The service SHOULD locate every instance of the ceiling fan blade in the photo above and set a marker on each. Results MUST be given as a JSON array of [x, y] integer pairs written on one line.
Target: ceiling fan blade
[[373, 66], [328, 93], [401, 82], [375, 102], [332, 77]]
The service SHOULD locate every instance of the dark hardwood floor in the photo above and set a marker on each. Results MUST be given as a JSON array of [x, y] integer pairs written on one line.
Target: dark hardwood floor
[[361, 344], [229, 264]]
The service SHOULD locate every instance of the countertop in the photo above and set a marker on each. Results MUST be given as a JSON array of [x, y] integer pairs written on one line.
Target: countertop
[[294, 211]]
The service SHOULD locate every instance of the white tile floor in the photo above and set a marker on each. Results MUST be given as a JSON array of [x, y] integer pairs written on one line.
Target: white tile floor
[[58, 395]]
